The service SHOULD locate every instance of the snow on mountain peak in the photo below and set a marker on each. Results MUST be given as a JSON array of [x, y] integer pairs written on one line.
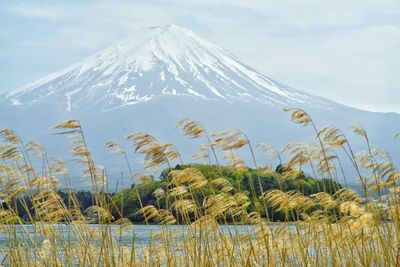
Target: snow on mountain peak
[[158, 61]]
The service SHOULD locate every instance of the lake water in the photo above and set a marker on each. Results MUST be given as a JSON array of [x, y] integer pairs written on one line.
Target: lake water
[[139, 235]]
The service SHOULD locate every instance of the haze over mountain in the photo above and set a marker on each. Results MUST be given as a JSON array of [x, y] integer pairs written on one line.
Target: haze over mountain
[[149, 81]]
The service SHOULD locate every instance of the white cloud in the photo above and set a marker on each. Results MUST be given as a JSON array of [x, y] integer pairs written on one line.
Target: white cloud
[[53, 12]]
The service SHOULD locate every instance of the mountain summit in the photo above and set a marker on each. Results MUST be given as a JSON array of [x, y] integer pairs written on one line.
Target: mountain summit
[[159, 61]]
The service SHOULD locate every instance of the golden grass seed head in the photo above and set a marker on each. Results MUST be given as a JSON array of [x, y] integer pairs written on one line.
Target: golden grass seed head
[[178, 191], [141, 141], [332, 136], [206, 222], [269, 149], [57, 166], [35, 148], [166, 217], [123, 222], [234, 160], [288, 200], [10, 152], [10, 136], [184, 205], [366, 161], [191, 128], [190, 177], [299, 116], [155, 154], [230, 140], [44, 182], [347, 194], [203, 154], [149, 212], [146, 179], [222, 184], [351, 208], [381, 153], [358, 130], [99, 212], [16, 192], [82, 151], [159, 193], [68, 124], [8, 217], [325, 200], [254, 218], [114, 147]]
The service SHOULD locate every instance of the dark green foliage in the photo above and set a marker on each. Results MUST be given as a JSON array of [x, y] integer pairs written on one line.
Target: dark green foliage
[[126, 201], [242, 179], [84, 199], [24, 203]]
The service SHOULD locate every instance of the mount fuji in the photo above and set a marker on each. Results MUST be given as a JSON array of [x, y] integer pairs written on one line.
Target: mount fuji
[[149, 81]]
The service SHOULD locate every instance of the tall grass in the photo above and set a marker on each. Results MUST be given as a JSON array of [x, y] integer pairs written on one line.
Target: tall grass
[[343, 229]]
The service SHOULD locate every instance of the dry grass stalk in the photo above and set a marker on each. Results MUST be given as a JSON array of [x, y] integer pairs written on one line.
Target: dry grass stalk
[[320, 229]]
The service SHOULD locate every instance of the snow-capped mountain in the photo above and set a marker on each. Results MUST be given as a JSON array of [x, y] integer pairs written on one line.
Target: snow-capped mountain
[[149, 81], [161, 61]]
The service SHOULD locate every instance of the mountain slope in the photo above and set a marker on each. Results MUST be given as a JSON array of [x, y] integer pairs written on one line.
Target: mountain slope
[[149, 81], [161, 61]]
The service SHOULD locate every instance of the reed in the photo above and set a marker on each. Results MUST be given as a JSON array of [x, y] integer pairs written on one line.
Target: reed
[[193, 211]]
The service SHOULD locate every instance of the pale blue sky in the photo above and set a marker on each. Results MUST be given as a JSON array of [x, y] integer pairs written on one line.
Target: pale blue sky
[[345, 50]]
